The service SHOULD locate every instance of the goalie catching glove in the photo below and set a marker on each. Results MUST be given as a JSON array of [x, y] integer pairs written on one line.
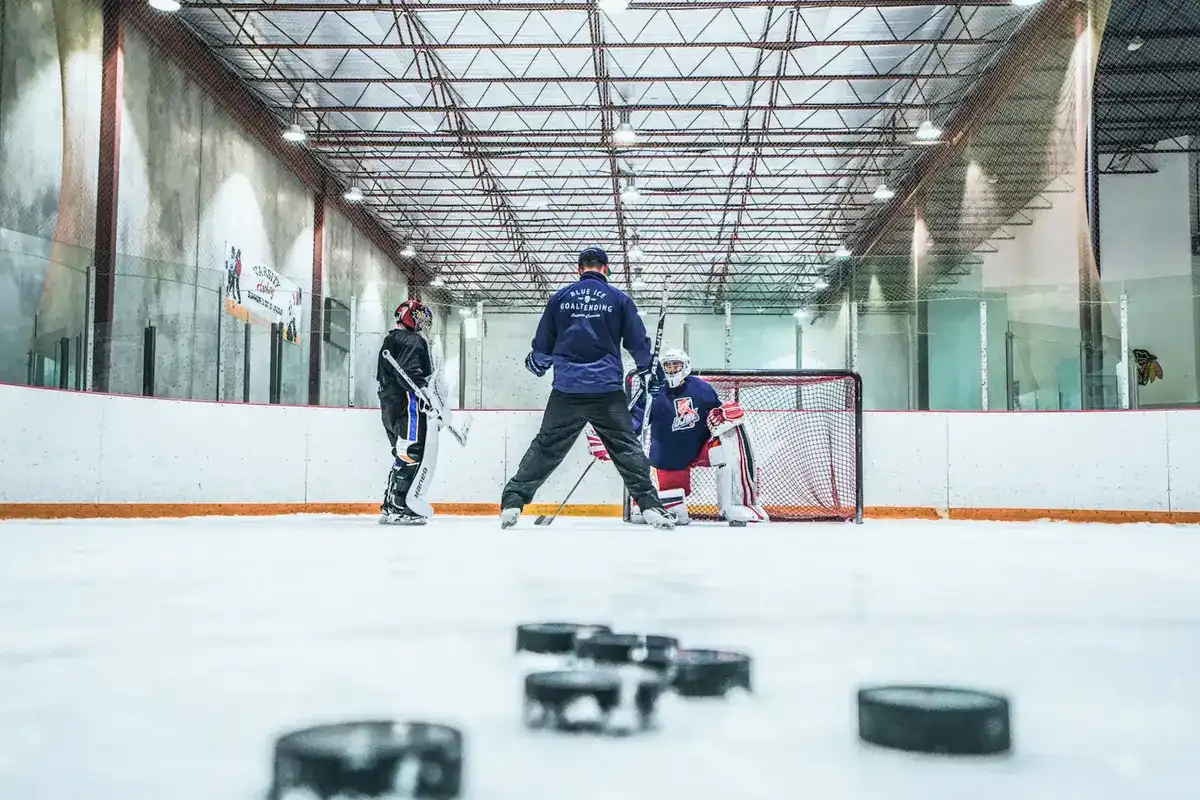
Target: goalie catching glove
[[725, 418]]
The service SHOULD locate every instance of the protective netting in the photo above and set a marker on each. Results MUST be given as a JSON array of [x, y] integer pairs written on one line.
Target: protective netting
[[804, 428]]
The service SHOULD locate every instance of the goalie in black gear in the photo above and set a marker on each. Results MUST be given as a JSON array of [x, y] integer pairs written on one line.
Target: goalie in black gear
[[406, 415]]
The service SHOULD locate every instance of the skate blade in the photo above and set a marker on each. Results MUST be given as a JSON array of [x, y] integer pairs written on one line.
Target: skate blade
[[405, 521]]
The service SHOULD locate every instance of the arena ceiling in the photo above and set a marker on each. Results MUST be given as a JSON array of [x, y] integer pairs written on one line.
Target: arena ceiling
[[487, 134]]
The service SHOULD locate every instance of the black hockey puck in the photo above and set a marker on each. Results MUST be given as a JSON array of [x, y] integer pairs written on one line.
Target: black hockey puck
[[737, 523], [554, 638], [370, 759], [585, 700], [934, 719], [653, 652], [710, 673]]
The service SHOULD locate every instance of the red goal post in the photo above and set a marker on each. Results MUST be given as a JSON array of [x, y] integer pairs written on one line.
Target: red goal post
[[805, 430]]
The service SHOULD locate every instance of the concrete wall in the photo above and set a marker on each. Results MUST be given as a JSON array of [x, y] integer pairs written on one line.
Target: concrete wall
[[49, 139], [358, 274], [194, 185]]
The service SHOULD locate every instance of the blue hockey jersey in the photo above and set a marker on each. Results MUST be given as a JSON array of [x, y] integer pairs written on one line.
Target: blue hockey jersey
[[581, 333], [678, 422]]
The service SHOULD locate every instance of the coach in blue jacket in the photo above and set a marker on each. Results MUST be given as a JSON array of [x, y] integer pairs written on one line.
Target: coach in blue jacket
[[580, 336]]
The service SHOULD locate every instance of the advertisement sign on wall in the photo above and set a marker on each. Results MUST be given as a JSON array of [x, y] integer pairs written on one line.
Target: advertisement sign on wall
[[261, 296]]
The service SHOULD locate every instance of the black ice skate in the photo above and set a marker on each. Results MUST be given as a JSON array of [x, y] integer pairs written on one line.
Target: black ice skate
[[400, 516]]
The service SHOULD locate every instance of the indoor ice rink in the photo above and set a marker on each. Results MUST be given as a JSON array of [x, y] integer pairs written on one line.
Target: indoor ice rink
[[160, 658], [936, 260]]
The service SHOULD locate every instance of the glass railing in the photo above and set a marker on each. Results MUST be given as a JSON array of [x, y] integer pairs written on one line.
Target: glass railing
[[179, 331]]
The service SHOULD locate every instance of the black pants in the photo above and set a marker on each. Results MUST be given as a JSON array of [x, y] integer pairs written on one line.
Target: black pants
[[403, 422], [565, 416]]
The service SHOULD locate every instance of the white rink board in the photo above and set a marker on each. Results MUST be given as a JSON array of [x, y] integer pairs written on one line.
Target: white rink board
[[602, 485], [1183, 429], [904, 459], [176, 451], [1104, 460], [49, 446], [68, 447]]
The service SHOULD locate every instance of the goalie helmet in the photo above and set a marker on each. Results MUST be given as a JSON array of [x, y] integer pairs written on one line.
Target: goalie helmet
[[676, 357], [414, 315]]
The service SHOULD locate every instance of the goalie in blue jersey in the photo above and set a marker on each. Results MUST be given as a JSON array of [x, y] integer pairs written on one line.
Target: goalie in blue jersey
[[691, 428]]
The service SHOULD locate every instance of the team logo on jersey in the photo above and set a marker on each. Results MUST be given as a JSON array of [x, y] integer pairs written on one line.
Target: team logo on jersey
[[686, 415]]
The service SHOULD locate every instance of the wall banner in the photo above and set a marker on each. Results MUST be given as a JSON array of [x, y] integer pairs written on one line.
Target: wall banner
[[261, 296]]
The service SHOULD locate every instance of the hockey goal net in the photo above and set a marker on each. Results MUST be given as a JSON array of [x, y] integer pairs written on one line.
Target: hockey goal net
[[805, 430]]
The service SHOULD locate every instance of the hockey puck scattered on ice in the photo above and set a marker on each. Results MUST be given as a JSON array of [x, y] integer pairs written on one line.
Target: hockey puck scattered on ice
[[652, 652], [710, 673], [369, 759], [588, 700], [934, 719], [554, 638]]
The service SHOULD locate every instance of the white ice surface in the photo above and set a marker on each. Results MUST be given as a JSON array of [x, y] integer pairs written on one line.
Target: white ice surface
[[158, 659]]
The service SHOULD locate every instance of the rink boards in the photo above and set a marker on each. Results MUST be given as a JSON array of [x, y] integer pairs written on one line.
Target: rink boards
[[78, 454]]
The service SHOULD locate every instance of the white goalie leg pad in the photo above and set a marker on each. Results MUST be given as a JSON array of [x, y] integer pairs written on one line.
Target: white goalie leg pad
[[417, 497], [675, 501], [737, 491]]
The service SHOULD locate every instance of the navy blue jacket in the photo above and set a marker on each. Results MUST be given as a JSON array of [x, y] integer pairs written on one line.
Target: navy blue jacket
[[678, 422], [581, 333]]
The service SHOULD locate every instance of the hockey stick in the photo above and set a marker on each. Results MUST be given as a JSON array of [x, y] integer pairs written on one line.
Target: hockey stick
[[459, 435], [662, 323], [546, 519]]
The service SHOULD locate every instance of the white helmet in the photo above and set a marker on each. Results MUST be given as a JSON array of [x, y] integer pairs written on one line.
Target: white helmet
[[675, 379]]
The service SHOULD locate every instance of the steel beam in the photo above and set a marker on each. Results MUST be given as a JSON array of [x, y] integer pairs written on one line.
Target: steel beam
[[841, 77], [317, 302], [108, 184], [490, 6], [640, 107], [370, 47]]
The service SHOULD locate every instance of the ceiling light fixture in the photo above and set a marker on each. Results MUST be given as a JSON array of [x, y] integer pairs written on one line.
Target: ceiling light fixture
[[613, 6], [295, 133], [821, 284], [882, 192], [437, 281], [800, 314], [1024, 3], [635, 250], [624, 134], [166, 6], [928, 132], [1135, 44], [843, 252], [353, 194], [409, 251], [630, 193]]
